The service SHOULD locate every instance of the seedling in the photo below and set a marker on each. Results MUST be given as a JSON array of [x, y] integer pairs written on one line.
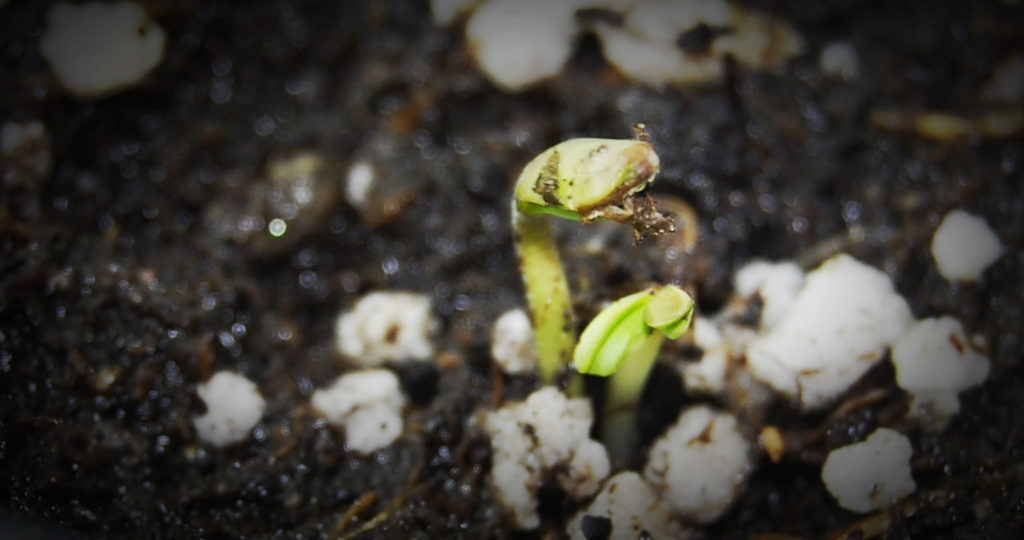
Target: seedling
[[581, 180], [631, 330], [586, 180]]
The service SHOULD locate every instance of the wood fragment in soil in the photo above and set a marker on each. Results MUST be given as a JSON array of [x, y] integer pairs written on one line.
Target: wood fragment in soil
[[945, 126], [773, 443], [357, 506], [811, 437], [686, 231]]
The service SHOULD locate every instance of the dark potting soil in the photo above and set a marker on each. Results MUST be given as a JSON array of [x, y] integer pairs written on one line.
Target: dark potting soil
[[131, 273]]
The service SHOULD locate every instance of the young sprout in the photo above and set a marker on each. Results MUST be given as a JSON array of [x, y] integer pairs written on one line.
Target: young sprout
[[581, 180], [620, 327], [630, 329]]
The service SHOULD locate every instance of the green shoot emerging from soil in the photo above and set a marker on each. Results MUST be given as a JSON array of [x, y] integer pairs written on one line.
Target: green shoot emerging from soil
[[581, 180], [630, 331], [619, 328]]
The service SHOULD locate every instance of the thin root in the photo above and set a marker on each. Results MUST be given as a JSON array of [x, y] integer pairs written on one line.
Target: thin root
[[357, 506]]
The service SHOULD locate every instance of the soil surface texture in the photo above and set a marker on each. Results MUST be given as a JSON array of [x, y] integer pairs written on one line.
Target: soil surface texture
[[141, 262]]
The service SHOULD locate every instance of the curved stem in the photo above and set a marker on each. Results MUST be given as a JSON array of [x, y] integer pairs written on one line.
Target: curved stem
[[547, 292]]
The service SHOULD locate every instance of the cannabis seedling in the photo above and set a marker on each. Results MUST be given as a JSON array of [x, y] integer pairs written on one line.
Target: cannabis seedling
[[631, 330], [581, 180]]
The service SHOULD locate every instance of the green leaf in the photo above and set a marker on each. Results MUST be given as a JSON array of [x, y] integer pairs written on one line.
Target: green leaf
[[611, 335], [575, 177], [670, 310]]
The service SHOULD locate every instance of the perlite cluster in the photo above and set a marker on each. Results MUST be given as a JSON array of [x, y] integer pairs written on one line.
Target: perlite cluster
[[964, 246], [512, 346], [837, 326], [819, 333], [695, 471], [626, 507], [366, 404], [518, 43], [545, 436]]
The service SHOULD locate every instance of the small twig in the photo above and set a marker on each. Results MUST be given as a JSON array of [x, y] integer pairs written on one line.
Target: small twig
[[371, 524], [395, 502], [357, 506], [497, 389], [801, 440]]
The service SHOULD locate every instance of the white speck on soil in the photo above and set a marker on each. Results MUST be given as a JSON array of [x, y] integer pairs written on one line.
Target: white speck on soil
[[512, 342], [964, 246], [234, 406]]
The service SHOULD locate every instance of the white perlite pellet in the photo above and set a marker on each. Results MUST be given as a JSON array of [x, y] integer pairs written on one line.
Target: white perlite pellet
[[98, 47], [645, 48], [517, 43], [872, 474], [512, 345], [367, 404], [233, 407], [700, 464], [632, 507], [386, 326], [777, 284], [721, 338], [935, 361], [358, 183], [964, 246], [544, 435], [840, 324], [721, 341], [708, 374]]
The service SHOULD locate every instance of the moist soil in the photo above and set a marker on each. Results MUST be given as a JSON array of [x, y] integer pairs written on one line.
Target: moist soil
[[140, 264]]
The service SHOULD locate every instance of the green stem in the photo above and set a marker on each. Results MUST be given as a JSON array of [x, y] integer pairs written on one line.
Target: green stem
[[622, 395], [547, 292], [626, 385]]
